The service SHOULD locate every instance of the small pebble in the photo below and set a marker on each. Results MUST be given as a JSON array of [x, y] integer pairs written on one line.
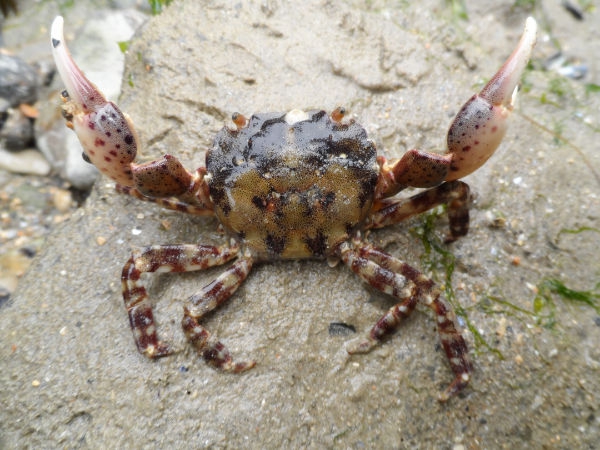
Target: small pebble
[[14, 262], [62, 200], [26, 162], [341, 329], [8, 283], [16, 131], [18, 80]]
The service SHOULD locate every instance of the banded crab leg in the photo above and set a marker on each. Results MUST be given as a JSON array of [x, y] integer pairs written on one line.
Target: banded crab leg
[[209, 298], [455, 194], [475, 132], [110, 142], [396, 278], [162, 258]]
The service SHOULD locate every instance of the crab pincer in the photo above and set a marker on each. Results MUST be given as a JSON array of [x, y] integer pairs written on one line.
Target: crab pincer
[[110, 141], [474, 134], [107, 135], [481, 123]]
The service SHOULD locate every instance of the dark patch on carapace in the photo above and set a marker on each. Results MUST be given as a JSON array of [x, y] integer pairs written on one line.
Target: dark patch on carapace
[[317, 244], [327, 199], [259, 202], [275, 244]]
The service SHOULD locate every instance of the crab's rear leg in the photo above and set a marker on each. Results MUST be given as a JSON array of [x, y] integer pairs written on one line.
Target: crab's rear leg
[[396, 278], [475, 132], [110, 142], [161, 258], [209, 298]]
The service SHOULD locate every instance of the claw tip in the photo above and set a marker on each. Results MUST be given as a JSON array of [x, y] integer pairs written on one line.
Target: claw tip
[[56, 31], [531, 24], [530, 31]]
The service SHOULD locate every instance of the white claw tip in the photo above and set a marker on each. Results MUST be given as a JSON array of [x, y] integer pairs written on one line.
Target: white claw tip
[[530, 24], [56, 31], [530, 31]]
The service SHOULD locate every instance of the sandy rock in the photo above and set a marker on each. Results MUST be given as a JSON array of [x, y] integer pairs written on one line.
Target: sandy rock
[[71, 374]]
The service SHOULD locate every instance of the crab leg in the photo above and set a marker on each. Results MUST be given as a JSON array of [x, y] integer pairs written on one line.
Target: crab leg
[[211, 296], [474, 135], [394, 277], [455, 194], [161, 258], [110, 142]]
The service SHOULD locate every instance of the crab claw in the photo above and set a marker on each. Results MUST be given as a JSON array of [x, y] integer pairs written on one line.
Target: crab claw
[[479, 127], [107, 135]]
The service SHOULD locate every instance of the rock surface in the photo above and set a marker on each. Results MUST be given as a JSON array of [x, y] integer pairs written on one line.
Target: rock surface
[[71, 375]]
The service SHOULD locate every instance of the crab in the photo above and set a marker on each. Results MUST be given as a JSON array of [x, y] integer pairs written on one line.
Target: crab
[[293, 185]]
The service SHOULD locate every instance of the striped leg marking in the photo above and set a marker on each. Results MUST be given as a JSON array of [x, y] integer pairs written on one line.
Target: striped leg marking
[[173, 203], [161, 258], [394, 277], [455, 194], [209, 298]]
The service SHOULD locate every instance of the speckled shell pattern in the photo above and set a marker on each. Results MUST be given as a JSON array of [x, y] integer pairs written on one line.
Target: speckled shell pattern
[[292, 190]]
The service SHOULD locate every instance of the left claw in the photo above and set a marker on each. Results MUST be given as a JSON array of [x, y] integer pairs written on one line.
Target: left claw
[[105, 132], [110, 142], [474, 135]]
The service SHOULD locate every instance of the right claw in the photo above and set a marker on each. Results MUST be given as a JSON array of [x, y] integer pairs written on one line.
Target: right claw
[[481, 123], [474, 134], [107, 135]]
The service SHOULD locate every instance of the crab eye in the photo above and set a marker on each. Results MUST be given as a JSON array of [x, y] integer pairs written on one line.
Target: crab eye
[[64, 94], [338, 114], [239, 120], [86, 158]]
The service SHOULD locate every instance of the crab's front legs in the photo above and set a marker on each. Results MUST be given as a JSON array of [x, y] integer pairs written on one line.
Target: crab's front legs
[[110, 141], [474, 135], [454, 194]]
